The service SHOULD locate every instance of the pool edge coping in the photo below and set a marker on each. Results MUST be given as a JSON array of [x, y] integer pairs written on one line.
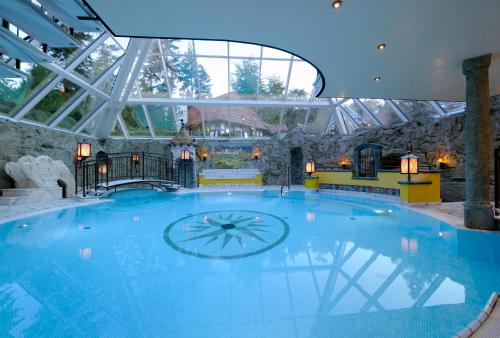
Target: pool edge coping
[[481, 318]]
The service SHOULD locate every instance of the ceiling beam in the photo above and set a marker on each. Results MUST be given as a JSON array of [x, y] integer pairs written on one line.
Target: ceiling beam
[[219, 102]]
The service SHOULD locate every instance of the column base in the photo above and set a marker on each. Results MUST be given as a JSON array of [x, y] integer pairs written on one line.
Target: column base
[[479, 216]]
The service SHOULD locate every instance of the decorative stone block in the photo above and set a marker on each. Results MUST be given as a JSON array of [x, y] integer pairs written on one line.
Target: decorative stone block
[[41, 172]]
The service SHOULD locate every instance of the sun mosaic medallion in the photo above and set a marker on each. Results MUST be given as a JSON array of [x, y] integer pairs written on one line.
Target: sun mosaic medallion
[[226, 234]]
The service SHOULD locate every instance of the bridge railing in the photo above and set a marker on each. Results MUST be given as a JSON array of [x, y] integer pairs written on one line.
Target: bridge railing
[[105, 168]]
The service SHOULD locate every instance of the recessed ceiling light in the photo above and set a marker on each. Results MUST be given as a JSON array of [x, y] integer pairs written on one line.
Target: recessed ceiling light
[[381, 46], [337, 4], [377, 78]]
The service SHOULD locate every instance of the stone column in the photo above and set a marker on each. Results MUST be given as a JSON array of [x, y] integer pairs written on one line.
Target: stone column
[[478, 144]]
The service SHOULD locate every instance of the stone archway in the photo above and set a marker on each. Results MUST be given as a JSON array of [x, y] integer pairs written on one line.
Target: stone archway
[[296, 166]]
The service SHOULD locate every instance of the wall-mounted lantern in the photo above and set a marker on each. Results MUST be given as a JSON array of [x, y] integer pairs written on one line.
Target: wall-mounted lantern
[[103, 169], [409, 165], [310, 167], [443, 164], [185, 154], [203, 152], [256, 153], [83, 151], [136, 158], [345, 162]]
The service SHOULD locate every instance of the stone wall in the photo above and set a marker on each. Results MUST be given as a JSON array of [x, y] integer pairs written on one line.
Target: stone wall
[[17, 140], [430, 139]]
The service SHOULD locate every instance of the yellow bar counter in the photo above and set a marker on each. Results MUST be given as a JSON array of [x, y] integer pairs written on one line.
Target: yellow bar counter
[[425, 187]]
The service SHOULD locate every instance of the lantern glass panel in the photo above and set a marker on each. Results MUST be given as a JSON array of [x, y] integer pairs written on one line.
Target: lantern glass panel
[[103, 169], [310, 167], [185, 155], [83, 150], [413, 166], [404, 166]]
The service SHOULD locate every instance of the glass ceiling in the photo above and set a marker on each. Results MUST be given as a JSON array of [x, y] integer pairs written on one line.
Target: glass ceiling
[[219, 89]]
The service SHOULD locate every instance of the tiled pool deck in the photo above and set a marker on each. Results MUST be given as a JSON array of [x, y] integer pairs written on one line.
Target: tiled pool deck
[[12, 212]]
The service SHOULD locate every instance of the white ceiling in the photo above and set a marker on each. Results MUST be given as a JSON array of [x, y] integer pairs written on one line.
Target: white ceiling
[[427, 40]]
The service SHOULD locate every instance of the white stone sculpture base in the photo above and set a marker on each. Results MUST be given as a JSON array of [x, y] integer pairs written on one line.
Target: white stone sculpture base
[[30, 195]]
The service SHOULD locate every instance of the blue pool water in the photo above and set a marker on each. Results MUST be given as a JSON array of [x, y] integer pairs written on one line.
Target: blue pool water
[[152, 264]]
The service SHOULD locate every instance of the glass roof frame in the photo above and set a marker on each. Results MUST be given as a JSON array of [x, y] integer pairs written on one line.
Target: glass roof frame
[[338, 113]]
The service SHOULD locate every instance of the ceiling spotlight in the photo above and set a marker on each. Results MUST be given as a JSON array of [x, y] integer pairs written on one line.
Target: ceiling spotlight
[[336, 4], [377, 78], [381, 46]]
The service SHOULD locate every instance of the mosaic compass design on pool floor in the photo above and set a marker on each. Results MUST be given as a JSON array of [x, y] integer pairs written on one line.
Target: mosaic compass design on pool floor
[[226, 234]]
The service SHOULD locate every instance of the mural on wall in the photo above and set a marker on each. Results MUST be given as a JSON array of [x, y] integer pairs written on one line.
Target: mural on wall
[[229, 156]]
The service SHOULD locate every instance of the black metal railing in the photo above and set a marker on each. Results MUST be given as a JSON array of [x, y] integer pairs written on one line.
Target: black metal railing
[[106, 168]]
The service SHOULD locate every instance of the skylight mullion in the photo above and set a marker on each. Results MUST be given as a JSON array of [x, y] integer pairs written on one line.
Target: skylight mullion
[[86, 120], [229, 70], [68, 108], [145, 109], [353, 113], [169, 88], [285, 96], [197, 76], [346, 116], [340, 120], [148, 120], [337, 116], [353, 117], [306, 119], [281, 120], [30, 104], [398, 111], [75, 79], [260, 73], [218, 102], [437, 107], [255, 58], [85, 53], [329, 125], [127, 75], [123, 126], [60, 75], [367, 111]]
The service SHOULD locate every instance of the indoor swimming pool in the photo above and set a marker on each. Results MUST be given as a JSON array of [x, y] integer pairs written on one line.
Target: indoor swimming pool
[[242, 264]]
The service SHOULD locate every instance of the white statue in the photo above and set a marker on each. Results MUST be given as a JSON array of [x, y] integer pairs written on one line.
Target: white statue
[[40, 172]]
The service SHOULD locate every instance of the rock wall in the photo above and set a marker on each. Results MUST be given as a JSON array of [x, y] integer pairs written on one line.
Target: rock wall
[[18, 140], [430, 139]]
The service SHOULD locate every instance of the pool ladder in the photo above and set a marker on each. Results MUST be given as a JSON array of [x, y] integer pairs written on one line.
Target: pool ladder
[[284, 190], [289, 182]]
